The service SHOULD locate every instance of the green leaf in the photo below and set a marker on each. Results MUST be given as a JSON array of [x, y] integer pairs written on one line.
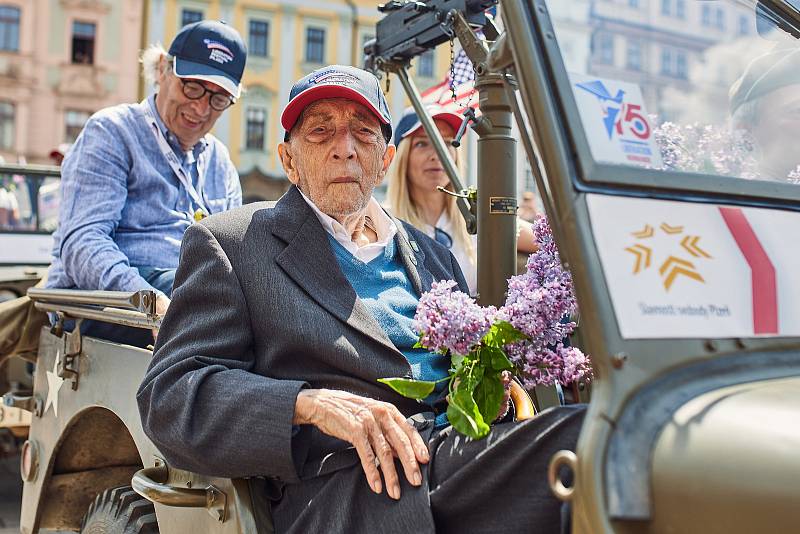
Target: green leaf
[[456, 361], [502, 333], [464, 415], [489, 395], [418, 345], [408, 387], [499, 361]]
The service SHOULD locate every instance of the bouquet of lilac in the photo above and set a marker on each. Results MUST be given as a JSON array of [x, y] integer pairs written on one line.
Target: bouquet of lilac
[[525, 336]]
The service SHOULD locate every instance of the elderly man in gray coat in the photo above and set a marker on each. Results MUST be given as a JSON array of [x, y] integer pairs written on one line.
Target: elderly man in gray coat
[[283, 319]]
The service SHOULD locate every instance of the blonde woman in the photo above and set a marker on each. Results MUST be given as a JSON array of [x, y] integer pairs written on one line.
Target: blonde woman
[[411, 194]]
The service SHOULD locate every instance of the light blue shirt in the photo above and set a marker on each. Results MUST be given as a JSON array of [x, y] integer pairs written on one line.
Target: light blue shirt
[[122, 206]]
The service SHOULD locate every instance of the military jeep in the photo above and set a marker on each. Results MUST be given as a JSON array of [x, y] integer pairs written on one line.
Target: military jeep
[[676, 227]]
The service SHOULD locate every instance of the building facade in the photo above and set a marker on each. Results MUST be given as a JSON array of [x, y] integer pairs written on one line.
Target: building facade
[[286, 40], [60, 61]]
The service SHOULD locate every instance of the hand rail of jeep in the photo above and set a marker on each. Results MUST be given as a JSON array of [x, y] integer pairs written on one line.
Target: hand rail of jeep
[[135, 309]]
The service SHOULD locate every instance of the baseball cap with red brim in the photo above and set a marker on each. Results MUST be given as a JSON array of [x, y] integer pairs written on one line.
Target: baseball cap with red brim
[[338, 81], [409, 122]]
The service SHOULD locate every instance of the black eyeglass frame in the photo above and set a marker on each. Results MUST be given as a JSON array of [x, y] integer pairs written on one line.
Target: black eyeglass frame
[[228, 98]]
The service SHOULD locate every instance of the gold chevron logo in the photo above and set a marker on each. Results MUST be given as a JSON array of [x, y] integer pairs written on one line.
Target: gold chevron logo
[[671, 229], [676, 267], [642, 253], [689, 243], [645, 232]]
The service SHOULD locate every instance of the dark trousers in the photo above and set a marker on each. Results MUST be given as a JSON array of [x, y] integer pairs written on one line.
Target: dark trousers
[[499, 484], [161, 279]]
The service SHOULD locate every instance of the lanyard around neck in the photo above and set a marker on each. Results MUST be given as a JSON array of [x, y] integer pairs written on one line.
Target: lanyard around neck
[[195, 193]]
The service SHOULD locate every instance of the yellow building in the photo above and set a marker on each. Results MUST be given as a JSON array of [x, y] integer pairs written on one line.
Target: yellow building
[[286, 40]]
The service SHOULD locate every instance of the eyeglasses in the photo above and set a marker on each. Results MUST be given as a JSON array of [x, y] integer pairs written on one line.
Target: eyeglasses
[[196, 90], [442, 237]]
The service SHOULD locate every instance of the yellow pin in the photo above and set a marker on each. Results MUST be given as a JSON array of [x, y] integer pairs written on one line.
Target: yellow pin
[[199, 215]]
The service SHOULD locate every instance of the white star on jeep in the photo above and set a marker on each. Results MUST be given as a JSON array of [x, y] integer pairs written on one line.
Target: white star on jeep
[[54, 383]]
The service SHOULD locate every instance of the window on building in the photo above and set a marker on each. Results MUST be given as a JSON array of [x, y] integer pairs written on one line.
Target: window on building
[[681, 65], [705, 15], [633, 3], [6, 125], [634, 55], [83, 34], [425, 65], [315, 45], [256, 125], [73, 122], [9, 28], [666, 7], [680, 9], [744, 25], [720, 20], [605, 48], [190, 16], [259, 38], [666, 62]]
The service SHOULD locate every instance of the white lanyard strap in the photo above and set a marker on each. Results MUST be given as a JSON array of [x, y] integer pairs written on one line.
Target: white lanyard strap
[[177, 168]]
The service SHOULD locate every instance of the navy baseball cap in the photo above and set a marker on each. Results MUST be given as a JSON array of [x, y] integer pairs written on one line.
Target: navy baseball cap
[[409, 122], [210, 50], [338, 81]]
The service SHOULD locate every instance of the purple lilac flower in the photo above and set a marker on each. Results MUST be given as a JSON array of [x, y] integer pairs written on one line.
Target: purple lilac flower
[[451, 320], [540, 298], [537, 305], [706, 149], [549, 366]]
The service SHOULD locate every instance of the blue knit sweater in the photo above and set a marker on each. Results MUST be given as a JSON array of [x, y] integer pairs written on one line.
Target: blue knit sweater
[[384, 287]]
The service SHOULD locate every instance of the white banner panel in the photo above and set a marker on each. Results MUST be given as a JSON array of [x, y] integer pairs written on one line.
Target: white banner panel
[[615, 121], [682, 270]]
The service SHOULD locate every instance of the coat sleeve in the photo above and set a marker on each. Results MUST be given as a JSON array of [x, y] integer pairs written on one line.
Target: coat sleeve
[[200, 402]]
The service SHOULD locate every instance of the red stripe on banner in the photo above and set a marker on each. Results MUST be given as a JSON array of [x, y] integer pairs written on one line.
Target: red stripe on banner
[[432, 89], [762, 271]]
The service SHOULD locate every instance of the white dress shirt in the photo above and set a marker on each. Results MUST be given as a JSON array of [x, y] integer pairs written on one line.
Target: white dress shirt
[[384, 227]]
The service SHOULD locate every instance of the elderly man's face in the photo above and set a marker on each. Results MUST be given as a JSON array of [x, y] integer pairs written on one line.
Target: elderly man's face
[[336, 155], [188, 119]]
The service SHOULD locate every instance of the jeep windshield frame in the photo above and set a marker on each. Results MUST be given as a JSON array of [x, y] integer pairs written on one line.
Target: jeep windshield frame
[[590, 174]]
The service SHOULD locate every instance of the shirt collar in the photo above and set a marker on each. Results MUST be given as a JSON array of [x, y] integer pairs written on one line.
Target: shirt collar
[[197, 149], [384, 226]]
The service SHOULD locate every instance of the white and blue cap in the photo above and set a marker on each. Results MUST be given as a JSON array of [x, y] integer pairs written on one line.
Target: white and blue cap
[[338, 81], [212, 51], [409, 123]]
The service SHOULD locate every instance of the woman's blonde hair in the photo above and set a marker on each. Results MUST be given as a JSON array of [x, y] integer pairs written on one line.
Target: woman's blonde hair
[[402, 206]]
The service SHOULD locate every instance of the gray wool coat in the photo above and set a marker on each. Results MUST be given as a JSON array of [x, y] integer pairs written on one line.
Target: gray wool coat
[[261, 309]]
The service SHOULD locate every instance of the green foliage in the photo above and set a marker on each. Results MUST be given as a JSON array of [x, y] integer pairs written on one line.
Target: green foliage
[[476, 389], [407, 387]]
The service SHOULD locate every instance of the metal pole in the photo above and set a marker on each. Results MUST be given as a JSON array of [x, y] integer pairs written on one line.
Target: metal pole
[[143, 301], [497, 189]]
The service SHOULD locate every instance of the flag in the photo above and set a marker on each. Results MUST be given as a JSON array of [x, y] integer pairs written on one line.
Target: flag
[[463, 81]]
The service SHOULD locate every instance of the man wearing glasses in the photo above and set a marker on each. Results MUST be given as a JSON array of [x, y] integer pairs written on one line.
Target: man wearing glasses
[[140, 174]]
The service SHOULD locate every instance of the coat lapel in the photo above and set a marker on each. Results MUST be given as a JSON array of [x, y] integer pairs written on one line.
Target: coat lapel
[[412, 257], [310, 262]]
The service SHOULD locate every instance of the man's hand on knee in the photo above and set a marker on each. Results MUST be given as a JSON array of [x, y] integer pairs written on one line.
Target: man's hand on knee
[[377, 430], [162, 303]]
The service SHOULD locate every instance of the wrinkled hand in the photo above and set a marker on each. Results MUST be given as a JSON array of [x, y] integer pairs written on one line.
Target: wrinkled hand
[[162, 303], [377, 430]]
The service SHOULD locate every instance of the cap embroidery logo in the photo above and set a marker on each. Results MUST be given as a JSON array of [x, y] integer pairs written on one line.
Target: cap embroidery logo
[[219, 52], [336, 78]]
